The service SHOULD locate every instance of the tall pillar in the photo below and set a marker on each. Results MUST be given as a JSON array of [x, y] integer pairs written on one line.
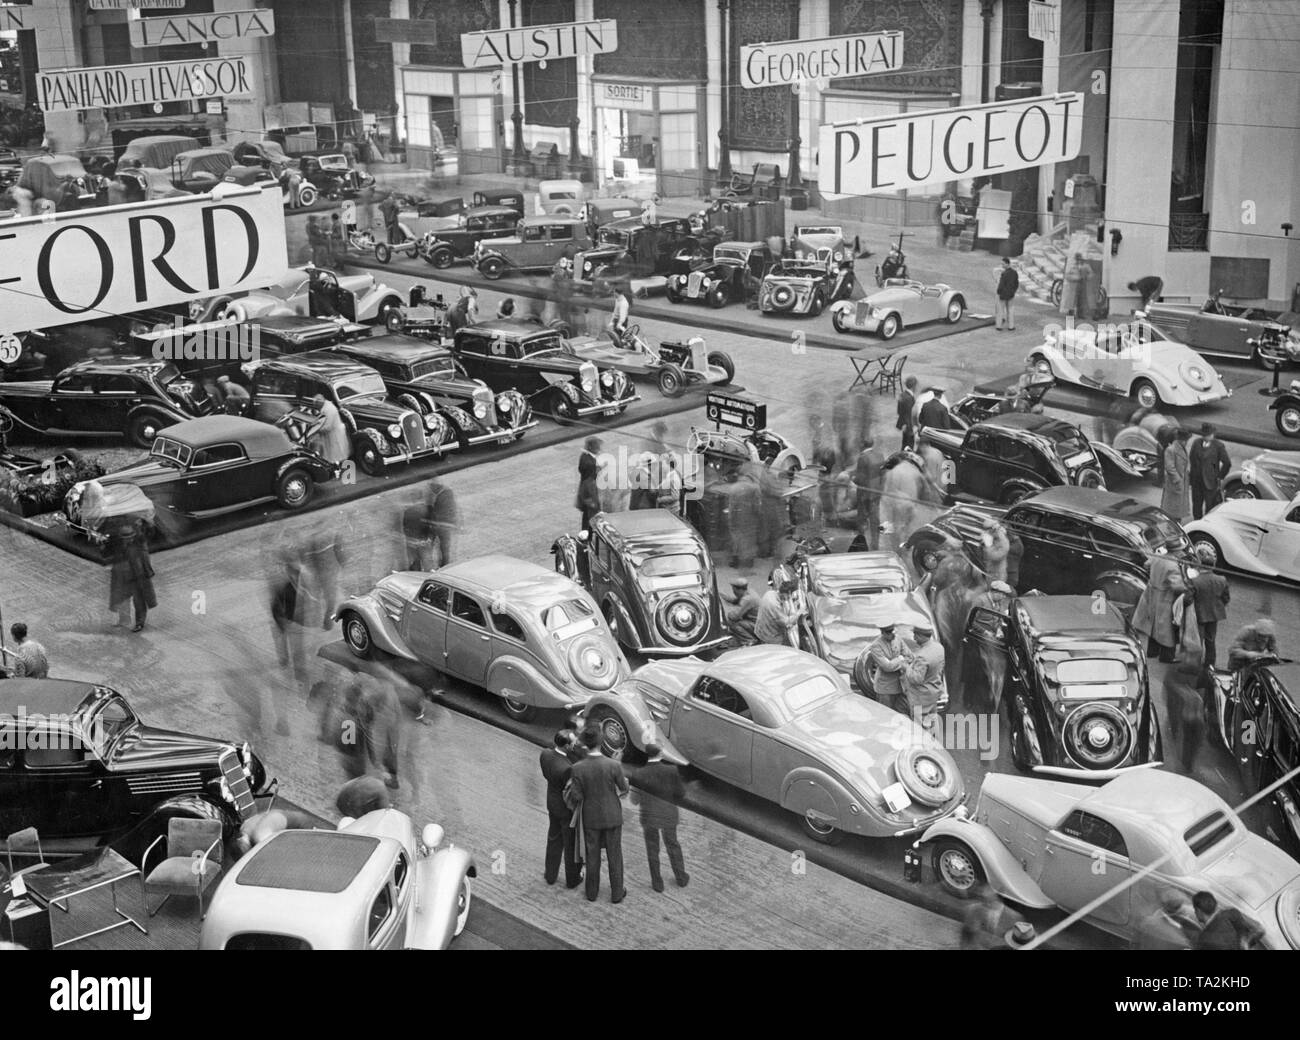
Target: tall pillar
[[245, 115], [58, 46], [401, 57]]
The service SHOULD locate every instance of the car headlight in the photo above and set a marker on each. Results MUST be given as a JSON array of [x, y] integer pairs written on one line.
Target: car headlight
[[430, 421], [480, 411], [503, 402], [586, 268], [588, 386], [395, 431], [606, 379]]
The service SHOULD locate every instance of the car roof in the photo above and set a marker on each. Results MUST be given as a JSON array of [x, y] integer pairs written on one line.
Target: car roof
[[393, 347], [298, 323], [512, 328], [855, 564], [261, 440], [1029, 422], [740, 245], [46, 696], [491, 211], [1154, 809], [1088, 500], [544, 219], [1288, 679], [117, 363], [310, 861], [323, 366], [206, 150], [765, 670], [647, 530], [518, 580], [1068, 615]]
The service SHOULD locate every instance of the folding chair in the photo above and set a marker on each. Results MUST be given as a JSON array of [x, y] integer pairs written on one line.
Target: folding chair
[[890, 377], [23, 841]]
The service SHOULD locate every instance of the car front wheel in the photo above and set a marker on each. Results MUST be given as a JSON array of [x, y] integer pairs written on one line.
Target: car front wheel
[[142, 430], [1145, 393], [1203, 543], [838, 320], [492, 268], [615, 742], [356, 633], [956, 310], [1288, 420], [517, 709], [957, 867], [890, 326]]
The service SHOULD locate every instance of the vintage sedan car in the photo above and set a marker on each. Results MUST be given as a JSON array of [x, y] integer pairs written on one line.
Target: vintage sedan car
[[823, 242], [653, 577], [81, 767], [1076, 686], [319, 293], [141, 184], [536, 245], [383, 434], [848, 597], [1135, 360], [727, 449], [333, 175], [1076, 541], [475, 225], [900, 304], [1254, 713], [1008, 457], [200, 169], [631, 248], [214, 465], [796, 287], [523, 633], [536, 361], [1050, 843], [1257, 536], [1269, 338], [674, 366], [129, 395], [61, 180], [372, 884], [294, 190], [732, 274], [425, 377], [1285, 407], [783, 725], [1270, 474]]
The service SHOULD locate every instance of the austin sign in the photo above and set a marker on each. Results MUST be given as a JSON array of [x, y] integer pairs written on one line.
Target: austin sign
[[834, 57], [117, 86], [68, 267], [200, 28], [890, 153], [493, 47]]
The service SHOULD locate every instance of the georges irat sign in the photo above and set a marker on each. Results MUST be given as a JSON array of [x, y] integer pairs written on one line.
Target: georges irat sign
[[911, 151], [120, 259], [832, 57]]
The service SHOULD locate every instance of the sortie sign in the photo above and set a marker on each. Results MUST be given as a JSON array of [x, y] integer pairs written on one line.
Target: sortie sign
[[118, 259], [481, 50], [911, 151], [200, 28], [116, 86], [833, 57]]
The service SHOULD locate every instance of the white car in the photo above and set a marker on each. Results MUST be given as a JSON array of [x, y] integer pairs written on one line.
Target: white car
[[1256, 535], [1130, 360]]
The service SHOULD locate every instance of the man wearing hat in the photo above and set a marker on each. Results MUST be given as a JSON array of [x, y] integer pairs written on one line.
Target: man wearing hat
[[661, 790], [778, 614], [1256, 641], [743, 615], [233, 397], [886, 659], [587, 501], [923, 683], [1209, 465], [934, 412], [1211, 597]]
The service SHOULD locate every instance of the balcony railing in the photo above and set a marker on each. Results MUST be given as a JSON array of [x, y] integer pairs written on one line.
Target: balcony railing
[[1189, 232]]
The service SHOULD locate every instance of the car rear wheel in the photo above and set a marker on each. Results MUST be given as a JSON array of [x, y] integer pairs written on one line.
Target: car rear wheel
[[1013, 494], [463, 899], [383, 252], [1144, 392], [818, 304], [615, 742], [356, 633], [440, 258], [724, 362], [1288, 420], [671, 382], [890, 326], [516, 708], [957, 867], [926, 556], [673, 295], [956, 311], [294, 489], [823, 833], [142, 430], [307, 195]]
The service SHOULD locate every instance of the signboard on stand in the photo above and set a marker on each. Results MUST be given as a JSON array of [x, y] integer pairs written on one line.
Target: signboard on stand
[[740, 412], [832, 57], [493, 47]]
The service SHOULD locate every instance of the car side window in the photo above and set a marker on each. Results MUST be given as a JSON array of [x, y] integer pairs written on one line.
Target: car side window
[[1293, 517], [380, 911], [1065, 531], [473, 344], [1025, 521], [52, 757], [113, 384], [979, 442], [75, 384], [721, 695], [217, 454], [507, 625], [468, 609], [1106, 541], [561, 233], [433, 595], [269, 381], [401, 872], [1093, 830], [600, 549], [535, 233]]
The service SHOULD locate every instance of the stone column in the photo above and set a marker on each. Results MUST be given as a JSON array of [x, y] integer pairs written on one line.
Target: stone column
[[58, 46]]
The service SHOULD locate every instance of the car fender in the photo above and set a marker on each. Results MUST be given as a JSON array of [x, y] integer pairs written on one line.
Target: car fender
[[1163, 384], [155, 407], [845, 307], [625, 619], [525, 682], [375, 305], [382, 630], [1111, 458], [1005, 876], [1284, 401], [640, 724], [1260, 479], [785, 455], [1231, 546], [135, 842], [437, 898], [811, 790]]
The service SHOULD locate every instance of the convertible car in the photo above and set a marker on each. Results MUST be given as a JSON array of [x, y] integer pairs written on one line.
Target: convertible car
[[1270, 474], [319, 293], [1258, 536], [732, 274], [779, 723], [1135, 360], [849, 596], [900, 304], [796, 287], [1048, 843], [525, 634], [1267, 337], [674, 366], [369, 885]]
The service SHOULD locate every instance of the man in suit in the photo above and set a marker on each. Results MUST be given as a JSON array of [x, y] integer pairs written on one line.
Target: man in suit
[[1211, 596], [934, 412], [557, 768], [1209, 465], [587, 501], [906, 405], [661, 790], [602, 784]]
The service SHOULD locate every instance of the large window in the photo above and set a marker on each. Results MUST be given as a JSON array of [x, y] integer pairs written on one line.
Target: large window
[[1200, 26]]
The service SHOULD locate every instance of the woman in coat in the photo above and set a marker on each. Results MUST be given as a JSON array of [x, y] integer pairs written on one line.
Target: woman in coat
[[1154, 616], [1176, 499]]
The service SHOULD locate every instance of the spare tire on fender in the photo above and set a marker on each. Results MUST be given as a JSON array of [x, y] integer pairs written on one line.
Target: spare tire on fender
[[925, 775]]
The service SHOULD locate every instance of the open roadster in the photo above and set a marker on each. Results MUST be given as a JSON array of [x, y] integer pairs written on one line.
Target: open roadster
[[320, 293], [674, 366], [1267, 337], [783, 725], [796, 287], [901, 304], [732, 274]]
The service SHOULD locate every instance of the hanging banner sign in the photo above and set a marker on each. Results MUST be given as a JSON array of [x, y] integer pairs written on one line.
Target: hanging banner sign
[[136, 5], [1042, 21], [117, 86], [87, 264], [481, 50], [25, 16], [833, 57], [912, 151], [200, 28]]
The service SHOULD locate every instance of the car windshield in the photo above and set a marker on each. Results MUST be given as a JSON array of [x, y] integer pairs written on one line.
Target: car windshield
[[108, 722], [167, 374], [879, 583], [796, 270], [1159, 531], [360, 386], [614, 236], [568, 618], [443, 367], [809, 692], [1091, 670], [1071, 445], [680, 570], [172, 452], [728, 254], [543, 345]]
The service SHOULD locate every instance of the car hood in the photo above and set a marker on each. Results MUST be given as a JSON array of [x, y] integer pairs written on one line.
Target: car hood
[[892, 295], [1254, 870], [1045, 802], [374, 407], [1251, 510], [144, 747], [356, 283], [144, 473], [402, 583], [848, 626], [26, 388]]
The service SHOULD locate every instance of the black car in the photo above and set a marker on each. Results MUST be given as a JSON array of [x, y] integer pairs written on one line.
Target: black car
[[630, 248], [214, 465], [1076, 541], [653, 577], [732, 274], [1008, 457], [1076, 686], [536, 361], [382, 433], [86, 772], [443, 248], [130, 395], [425, 376], [510, 198], [333, 174], [1255, 714]]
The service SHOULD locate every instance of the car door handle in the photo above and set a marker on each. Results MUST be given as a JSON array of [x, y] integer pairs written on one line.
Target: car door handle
[[1086, 556], [486, 639], [191, 483], [97, 784], [687, 707]]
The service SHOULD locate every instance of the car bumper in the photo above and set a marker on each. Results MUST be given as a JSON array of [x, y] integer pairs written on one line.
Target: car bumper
[[607, 407], [411, 456], [501, 435]]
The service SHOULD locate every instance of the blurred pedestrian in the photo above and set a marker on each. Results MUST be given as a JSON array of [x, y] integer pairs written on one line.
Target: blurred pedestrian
[[1148, 289], [774, 514], [131, 579], [778, 612], [380, 707], [1176, 497], [669, 485], [330, 439], [390, 210], [883, 664], [443, 518], [1172, 927], [1008, 283], [906, 403], [557, 768], [316, 241], [742, 614], [464, 312], [288, 599], [324, 554], [744, 508], [868, 479], [981, 927], [587, 500], [1154, 615], [1185, 705], [602, 785], [1211, 596], [993, 661], [361, 795], [1224, 927], [661, 791], [1209, 464], [29, 657], [923, 678], [233, 398], [1070, 288], [1255, 642], [620, 314], [506, 309]]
